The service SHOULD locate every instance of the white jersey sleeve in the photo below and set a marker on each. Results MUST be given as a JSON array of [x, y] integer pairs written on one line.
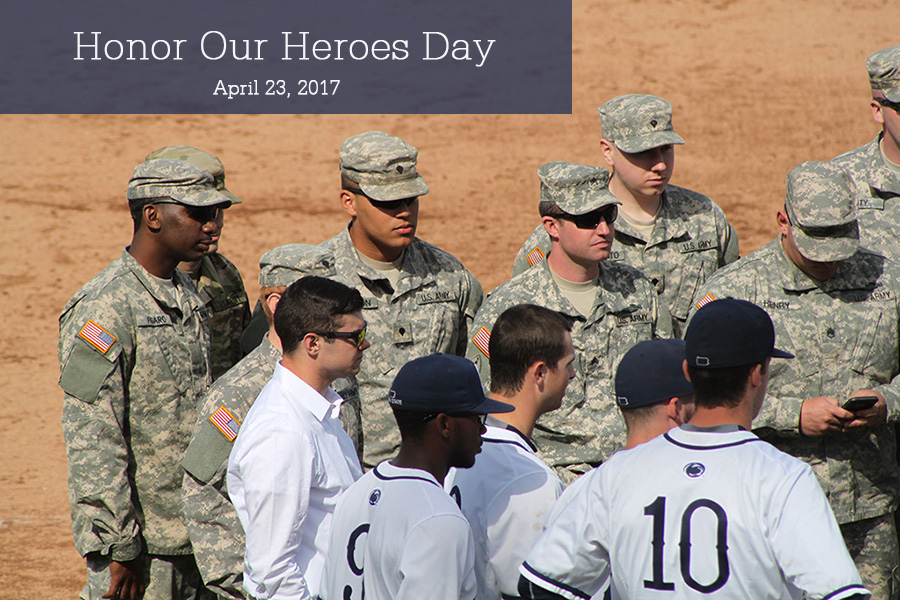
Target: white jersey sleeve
[[570, 557]]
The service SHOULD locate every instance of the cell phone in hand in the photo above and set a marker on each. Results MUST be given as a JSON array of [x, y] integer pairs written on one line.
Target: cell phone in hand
[[858, 403]]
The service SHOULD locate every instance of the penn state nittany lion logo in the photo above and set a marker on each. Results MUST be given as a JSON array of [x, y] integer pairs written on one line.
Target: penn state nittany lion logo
[[374, 497], [694, 470]]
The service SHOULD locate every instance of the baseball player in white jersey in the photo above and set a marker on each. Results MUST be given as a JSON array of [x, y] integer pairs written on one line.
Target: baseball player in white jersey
[[397, 535], [507, 495], [707, 508]]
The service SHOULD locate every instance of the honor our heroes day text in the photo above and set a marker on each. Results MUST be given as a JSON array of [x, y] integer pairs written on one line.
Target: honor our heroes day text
[[214, 46]]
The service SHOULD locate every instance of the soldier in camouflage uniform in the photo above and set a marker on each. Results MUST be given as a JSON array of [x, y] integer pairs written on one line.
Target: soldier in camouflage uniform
[[216, 277], [213, 525], [875, 167], [676, 237], [836, 307], [418, 299], [610, 304], [134, 359]]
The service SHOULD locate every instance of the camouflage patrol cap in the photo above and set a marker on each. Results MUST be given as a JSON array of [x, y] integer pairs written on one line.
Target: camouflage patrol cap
[[384, 166], [179, 180], [638, 122], [820, 206], [884, 72], [206, 161], [284, 265], [576, 189]]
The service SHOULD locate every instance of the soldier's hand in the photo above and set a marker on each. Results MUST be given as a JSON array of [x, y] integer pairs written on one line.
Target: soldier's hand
[[126, 580], [869, 418], [821, 415]]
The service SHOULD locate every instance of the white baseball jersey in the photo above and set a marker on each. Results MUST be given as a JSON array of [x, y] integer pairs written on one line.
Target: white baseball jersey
[[397, 535], [695, 513], [506, 497]]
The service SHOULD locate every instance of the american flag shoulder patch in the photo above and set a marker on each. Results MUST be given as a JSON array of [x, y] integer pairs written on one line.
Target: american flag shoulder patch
[[535, 257], [225, 422], [482, 339], [705, 300], [97, 337]]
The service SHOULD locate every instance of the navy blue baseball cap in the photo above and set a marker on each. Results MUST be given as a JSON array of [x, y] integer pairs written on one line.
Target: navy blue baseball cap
[[730, 333], [651, 372], [442, 383]]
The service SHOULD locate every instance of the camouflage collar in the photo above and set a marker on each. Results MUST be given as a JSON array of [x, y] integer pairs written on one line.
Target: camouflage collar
[[670, 224], [859, 272], [878, 175], [607, 296], [415, 271], [160, 293]]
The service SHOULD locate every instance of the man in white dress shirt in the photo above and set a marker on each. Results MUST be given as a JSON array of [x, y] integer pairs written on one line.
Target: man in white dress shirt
[[507, 495], [397, 534], [292, 459]]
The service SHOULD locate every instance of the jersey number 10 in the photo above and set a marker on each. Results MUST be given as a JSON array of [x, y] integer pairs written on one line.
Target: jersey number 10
[[657, 510]]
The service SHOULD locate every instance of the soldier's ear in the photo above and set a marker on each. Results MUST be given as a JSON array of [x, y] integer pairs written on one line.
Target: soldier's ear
[[348, 202], [551, 226], [877, 114], [152, 217], [607, 151]]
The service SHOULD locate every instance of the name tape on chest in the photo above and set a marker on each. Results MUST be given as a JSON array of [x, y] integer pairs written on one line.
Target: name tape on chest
[[632, 319], [870, 204], [696, 245], [154, 320], [435, 296], [225, 422], [97, 337]]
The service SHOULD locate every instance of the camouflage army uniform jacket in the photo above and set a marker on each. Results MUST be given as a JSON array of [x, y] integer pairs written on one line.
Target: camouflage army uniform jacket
[[430, 311], [222, 288], [877, 198], [587, 429], [134, 361], [845, 334], [691, 239], [216, 532]]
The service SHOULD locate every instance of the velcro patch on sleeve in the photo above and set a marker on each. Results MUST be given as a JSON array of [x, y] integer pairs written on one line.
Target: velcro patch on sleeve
[[96, 336], [482, 339], [225, 422]]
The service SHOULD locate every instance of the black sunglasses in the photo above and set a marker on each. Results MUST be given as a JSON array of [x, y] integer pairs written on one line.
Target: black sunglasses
[[354, 337], [895, 106], [201, 214], [592, 219]]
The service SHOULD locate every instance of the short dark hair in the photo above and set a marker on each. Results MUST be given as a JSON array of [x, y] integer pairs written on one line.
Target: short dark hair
[[410, 423], [312, 304], [522, 335], [548, 208], [721, 387], [136, 208]]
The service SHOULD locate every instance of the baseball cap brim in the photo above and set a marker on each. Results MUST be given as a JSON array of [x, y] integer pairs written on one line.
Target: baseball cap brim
[[646, 142], [398, 190], [776, 353], [829, 248], [490, 406]]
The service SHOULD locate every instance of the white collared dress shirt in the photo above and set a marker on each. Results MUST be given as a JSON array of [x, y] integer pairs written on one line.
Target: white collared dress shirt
[[288, 466]]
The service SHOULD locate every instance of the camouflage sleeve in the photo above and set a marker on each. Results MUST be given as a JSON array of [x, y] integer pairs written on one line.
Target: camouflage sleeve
[[728, 238], [479, 338], [533, 251], [216, 533], [474, 296], [94, 419]]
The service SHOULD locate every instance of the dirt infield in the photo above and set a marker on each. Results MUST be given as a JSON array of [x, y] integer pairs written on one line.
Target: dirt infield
[[758, 86]]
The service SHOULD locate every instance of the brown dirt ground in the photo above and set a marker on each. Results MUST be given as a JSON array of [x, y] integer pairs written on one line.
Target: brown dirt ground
[[758, 86]]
